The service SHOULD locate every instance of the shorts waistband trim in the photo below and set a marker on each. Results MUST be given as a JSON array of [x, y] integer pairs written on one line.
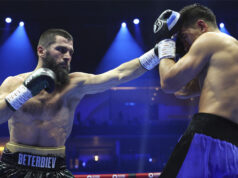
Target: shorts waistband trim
[[57, 151]]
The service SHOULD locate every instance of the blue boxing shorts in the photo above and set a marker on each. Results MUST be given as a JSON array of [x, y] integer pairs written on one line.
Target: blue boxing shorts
[[208, 149], [22, 161]]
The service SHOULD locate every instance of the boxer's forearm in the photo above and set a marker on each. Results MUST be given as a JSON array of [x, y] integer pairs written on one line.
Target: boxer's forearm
[[165, 67], [136, 67], [98, 83], [129, 71]]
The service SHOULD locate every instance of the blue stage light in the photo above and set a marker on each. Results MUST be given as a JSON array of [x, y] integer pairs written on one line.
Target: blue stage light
[[8, 20], [124, 45], [136, 21], [223, 28], [23, 53], [222, 25], [21, 23], [123, 24]]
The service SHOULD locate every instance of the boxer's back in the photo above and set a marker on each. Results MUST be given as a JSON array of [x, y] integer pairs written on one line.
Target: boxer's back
[[220, 80]]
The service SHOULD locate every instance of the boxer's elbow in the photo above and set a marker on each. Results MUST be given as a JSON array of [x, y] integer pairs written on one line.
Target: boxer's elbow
[[167, 89], [168, 86], [122, 77]]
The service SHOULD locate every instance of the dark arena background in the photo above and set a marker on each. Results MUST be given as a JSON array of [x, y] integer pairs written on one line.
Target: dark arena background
[[131, 128]]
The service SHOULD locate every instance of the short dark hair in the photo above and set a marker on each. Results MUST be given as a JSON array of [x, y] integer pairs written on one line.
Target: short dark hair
[[191, 13], [48, 36]]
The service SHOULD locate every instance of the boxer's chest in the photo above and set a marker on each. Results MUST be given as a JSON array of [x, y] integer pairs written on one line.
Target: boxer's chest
[[44, 106]]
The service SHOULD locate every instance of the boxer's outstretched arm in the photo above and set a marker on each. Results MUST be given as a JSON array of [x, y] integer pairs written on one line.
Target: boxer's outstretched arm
[[125, 72], [5, 111]]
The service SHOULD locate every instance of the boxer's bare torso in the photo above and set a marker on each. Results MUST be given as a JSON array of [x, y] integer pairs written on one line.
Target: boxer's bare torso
[[213, 59], [46, 120], [219, 80]]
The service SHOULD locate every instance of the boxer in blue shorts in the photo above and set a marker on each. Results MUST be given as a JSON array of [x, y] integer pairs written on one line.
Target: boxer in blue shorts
[[208, 69]]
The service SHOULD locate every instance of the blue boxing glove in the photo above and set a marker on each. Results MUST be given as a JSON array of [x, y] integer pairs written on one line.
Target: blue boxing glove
[[40, 79], [166, 25]]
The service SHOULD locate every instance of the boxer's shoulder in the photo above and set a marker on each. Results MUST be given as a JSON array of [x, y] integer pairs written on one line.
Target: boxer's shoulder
[[11, 82], [220, 42], [17, 78], [73, 90], [78, 84], [209, 42], [80, 77], [208, 37], [216, 38], [79, 74]]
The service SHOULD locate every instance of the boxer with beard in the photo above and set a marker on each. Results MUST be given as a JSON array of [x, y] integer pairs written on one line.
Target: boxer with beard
[[39, 106], [61, 70]]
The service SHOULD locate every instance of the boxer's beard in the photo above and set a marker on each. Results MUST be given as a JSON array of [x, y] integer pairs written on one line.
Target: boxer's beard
[[62, 73]]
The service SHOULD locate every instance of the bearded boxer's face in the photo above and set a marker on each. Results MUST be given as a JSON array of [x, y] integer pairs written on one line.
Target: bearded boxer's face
[[58, 57]]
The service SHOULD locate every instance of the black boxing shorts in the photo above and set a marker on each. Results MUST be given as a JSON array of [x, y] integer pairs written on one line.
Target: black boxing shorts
[[33, 164]]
